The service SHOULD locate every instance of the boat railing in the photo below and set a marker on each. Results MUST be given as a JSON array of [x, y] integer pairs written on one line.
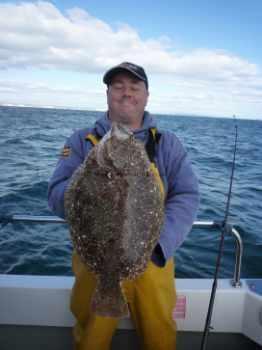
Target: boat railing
[[197, 224], [239, 246]]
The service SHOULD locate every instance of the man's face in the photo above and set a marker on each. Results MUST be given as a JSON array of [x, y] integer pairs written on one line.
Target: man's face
[[126, 98]]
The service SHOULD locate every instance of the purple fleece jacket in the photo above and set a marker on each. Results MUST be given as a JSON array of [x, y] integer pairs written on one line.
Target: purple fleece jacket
[[179, 179]]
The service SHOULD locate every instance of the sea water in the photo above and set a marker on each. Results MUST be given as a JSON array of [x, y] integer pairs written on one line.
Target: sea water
[[31, 141]]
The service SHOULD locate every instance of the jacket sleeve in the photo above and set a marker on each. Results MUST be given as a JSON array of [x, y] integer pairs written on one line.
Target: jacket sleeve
[[65, 167], [182, 197]]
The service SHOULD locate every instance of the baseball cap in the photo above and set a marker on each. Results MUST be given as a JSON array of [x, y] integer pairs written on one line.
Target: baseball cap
[[132, 68]]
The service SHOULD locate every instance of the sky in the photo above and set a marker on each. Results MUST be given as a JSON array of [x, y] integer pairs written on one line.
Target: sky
[[201, 57]]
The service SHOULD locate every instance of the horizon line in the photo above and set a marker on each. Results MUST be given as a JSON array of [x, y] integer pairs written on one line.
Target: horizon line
[[84, 109]]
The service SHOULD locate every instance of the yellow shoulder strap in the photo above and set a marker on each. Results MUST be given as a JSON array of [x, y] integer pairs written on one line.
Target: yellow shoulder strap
[[153, 131], [92, 138], [158, 178]]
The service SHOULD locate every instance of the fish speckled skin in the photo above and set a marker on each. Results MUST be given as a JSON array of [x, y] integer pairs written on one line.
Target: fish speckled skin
[[115, 209]]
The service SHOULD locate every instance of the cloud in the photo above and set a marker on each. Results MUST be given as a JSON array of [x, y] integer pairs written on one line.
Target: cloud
[[41, 94], [39, 36]]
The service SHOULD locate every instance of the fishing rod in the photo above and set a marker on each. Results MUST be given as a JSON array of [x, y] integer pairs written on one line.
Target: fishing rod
[[225, 228]]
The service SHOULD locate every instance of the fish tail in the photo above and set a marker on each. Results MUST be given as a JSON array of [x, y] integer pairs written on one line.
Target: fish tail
[[108, 300]]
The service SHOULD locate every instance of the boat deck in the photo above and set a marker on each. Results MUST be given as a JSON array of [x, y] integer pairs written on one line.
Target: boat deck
[[60, 338]]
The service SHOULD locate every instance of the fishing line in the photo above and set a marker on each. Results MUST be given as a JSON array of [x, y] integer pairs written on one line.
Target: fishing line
[[224, 229]]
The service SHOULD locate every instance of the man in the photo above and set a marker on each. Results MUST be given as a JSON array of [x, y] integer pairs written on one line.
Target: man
[[151, 297]]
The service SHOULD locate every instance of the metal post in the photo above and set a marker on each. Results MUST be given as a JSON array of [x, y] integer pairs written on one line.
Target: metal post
[[239, 248], [239, 253]]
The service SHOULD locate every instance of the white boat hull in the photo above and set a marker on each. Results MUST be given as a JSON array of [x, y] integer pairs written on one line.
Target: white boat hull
[[44, 301]]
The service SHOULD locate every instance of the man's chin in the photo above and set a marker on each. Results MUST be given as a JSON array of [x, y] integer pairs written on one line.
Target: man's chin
[[125, 119], [128, 118], [125, 115]]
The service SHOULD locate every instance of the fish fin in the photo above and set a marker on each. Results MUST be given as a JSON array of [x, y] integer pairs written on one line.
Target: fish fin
[[108, 300]]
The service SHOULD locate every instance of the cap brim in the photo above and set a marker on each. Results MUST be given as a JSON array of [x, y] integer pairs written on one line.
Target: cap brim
[[109, 75]]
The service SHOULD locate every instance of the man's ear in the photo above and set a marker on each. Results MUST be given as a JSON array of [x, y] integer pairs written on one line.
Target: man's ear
[[107, 92], [147, 96]]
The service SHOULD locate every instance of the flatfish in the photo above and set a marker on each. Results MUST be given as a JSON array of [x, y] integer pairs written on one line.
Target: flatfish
[[115, 209]]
